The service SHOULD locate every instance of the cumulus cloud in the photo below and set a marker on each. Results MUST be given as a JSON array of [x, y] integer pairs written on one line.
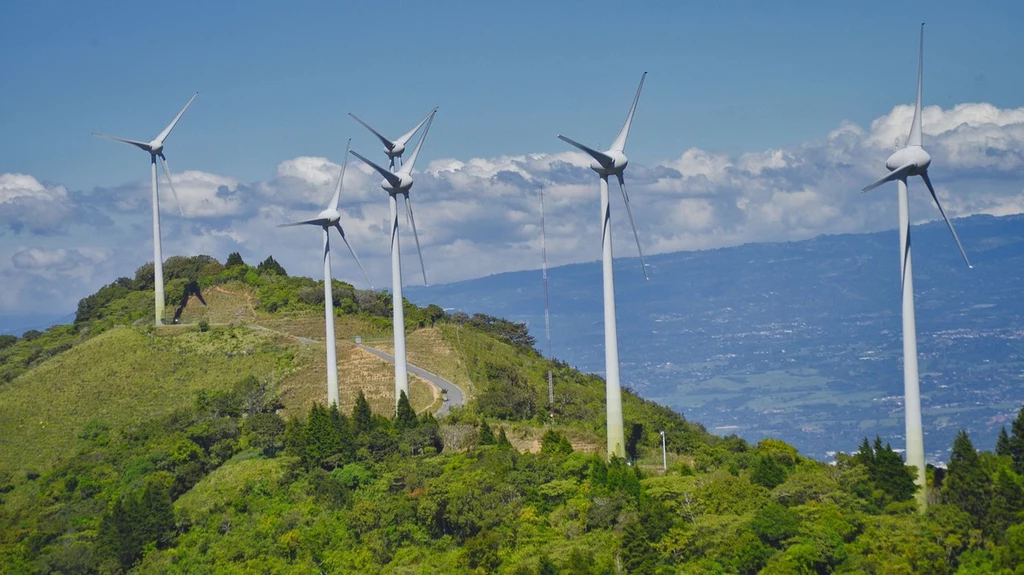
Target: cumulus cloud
[[478, 216]]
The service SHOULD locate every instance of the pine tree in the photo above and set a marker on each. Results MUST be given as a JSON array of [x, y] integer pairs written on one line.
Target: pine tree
[[405, 418], [767, 472], [503, 442], [1005, 507], [295, 438], [891, 475], [270, 266], [865, 455], [1003, 443], [967, 486], [1016, 445], [486, 435], [343, 429], [322, 439], [362, 416], [638, 557], [234, 259]]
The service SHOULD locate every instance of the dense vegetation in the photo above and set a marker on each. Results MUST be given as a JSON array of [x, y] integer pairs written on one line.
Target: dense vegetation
[[506, 484]]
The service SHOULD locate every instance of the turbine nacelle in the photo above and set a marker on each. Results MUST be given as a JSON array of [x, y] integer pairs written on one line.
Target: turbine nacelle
[[330, 215], [396, 151], [615, 166], [156, 147], [914, 156], [403, 184]]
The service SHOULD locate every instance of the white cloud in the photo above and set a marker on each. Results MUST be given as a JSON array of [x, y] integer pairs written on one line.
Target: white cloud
[[478, 216]]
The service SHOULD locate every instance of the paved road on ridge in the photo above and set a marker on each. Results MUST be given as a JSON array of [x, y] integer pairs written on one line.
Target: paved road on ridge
[[453, 393]]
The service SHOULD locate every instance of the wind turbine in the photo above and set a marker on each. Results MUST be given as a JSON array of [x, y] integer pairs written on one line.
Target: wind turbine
[[613, 162], [327, 219], [395, 148], [395, 184], [912, 160], [155, 148]]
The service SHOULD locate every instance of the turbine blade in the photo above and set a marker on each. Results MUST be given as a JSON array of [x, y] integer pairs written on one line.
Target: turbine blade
[[354, 256], [314, 222], [928, 182], [387, 143], [136, 143], [167, 172], [167, 131], [915, 128], [620, 141], [412, 220], [893, 175], [625, 198], [407, 166], [408, 135], [388, 175], [341, 178], [601, 157]]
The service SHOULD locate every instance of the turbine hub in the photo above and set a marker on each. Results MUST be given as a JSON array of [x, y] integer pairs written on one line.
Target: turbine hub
[[156, 146], [405, 182], [330, 214], [618, 163], [915, 155], [395, 152]]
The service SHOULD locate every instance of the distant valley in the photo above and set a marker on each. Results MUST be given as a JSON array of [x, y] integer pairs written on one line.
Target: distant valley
[[797, 340]]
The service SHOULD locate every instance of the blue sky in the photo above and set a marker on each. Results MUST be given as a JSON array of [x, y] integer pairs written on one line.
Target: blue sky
[[758, 122]]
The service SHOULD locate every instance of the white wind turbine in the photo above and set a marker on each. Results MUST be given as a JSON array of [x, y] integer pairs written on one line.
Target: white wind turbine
[[396, 183], [395, 148], [155, 148], [327, 219], [613, 162], [912, 160]]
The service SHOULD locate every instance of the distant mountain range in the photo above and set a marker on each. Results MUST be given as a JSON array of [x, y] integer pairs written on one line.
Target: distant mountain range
[[797, 340], [17, 324]]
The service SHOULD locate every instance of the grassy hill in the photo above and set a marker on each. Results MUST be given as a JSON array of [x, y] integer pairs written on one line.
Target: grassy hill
[[204, 447]]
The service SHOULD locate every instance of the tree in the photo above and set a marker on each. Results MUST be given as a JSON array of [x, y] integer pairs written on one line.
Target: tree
[[1003, 445], [554, 443], [1016, 445], [270, 266], [503, 442], [767, 472], [638, 557], [362, 416], [775, 523], [322, 439], [486, 435], [1005, 507], [967, 486], [405, 418], [890, 474], [636, 431], [234, 259]]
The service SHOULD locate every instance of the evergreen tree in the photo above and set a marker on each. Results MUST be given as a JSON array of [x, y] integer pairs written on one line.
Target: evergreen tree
[[295, 438], [638, 557], [405, 417], [322, 439], [554, 443], [1003, 443], [865, 455], [270, 266], [486, 435], [891, 475], [1005, 507], [967, 486], [503, 442], [1016, 444], [362, 416], [767, 472], [545, 566], [343, 429], [234, 259]]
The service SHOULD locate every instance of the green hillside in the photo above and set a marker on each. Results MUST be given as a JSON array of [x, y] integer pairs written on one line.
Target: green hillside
[[204, 447]]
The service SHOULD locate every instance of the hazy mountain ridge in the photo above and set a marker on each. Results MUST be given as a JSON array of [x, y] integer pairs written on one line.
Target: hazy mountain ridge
[[801, 339]]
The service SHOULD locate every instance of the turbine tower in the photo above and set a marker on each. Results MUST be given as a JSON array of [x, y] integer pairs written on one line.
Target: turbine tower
[[327, 219], [395, 148], [155, 148], [547, 307], [399, 183], [912, 160], [613, 162]]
